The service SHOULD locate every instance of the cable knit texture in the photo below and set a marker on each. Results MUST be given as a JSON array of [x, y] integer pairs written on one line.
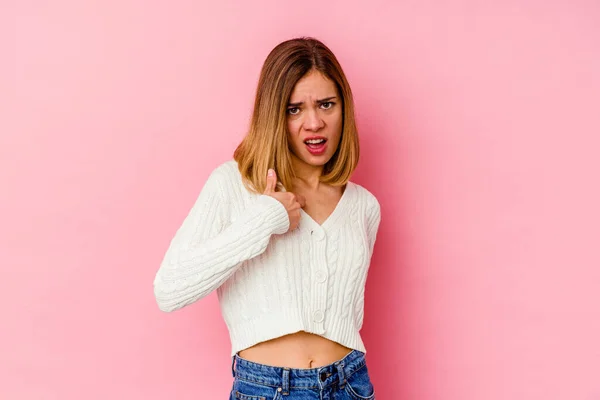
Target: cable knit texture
[[271, 282]]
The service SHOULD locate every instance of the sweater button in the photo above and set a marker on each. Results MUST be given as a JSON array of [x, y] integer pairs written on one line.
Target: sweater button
[[319, 316], [317, 233], [321, 276]]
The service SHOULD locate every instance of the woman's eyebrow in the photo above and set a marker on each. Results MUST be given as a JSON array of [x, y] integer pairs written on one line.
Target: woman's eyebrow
[[325, 100]]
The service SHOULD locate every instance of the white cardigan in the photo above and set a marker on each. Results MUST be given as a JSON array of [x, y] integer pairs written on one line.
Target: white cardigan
[[271, 283]]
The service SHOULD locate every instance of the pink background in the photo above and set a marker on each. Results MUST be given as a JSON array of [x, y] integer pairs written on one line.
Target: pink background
[[480, 129]]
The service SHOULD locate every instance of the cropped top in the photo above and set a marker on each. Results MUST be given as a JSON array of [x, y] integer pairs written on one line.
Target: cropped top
[[271, 282]]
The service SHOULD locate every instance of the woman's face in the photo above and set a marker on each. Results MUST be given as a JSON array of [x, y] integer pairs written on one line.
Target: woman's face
[[314, 119]]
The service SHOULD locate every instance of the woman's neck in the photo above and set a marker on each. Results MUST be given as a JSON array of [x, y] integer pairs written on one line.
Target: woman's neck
[[308, 174]]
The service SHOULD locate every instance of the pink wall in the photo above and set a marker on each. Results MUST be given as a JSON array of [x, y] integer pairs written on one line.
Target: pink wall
[[480, 129]]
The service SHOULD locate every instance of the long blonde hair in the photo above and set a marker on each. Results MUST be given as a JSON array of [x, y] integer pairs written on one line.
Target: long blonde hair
[[266, 143]]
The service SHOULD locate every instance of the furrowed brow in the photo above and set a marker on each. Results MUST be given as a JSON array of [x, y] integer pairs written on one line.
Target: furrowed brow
[[326, 99], [320, 101]]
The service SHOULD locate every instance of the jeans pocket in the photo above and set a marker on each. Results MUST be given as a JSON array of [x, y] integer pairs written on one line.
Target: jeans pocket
[[359, 386], [241, 396], [246, 390]]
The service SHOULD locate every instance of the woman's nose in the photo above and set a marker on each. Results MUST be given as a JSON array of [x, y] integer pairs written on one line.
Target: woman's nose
[[313, 121]]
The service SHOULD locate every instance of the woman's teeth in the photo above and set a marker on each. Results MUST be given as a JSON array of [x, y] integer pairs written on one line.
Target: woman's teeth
[[314, 141]]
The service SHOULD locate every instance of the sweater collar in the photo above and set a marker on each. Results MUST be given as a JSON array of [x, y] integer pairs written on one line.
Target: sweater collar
[[308, 223]]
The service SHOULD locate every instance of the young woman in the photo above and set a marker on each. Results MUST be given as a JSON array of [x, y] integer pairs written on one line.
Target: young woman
[[285, 238]]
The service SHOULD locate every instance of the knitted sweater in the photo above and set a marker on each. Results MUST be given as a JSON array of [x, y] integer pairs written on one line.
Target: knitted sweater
[[271, 282]]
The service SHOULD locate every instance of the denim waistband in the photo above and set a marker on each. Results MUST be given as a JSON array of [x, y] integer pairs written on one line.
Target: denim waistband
[[286, 378]]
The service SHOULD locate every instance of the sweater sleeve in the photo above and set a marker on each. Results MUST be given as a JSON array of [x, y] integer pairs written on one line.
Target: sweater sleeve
[[206, 250], [373, 221]]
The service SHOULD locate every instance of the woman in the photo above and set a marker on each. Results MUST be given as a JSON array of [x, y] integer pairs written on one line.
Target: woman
[[285, 238]]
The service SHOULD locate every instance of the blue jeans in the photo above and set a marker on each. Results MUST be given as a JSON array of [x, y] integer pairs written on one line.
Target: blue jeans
[[345, 379]]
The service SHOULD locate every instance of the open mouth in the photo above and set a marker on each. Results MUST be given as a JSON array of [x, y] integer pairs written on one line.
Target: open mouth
[[316, 146]]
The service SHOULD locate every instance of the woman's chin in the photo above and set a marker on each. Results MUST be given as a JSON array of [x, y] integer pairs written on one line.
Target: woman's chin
[[316, 161], [311, 159]]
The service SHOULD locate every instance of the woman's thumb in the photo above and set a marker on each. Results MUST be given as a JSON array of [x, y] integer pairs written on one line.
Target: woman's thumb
[[271, 181]]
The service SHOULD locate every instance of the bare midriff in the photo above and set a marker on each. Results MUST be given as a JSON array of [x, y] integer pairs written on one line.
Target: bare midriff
[[297, 350], [303, 349]]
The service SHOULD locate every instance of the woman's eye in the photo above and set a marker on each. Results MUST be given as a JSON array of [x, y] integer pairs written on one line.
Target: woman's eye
[[327, 105], [293, 110]]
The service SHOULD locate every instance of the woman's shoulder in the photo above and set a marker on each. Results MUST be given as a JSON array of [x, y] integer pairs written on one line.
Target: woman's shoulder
[[370, 205], [226, 171], [225, 176], [365, 195]]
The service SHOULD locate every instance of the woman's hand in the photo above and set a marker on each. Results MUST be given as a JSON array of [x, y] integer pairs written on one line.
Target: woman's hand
[[292, 202]]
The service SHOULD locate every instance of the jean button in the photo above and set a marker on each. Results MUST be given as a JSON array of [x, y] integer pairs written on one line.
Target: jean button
[[323, 376]]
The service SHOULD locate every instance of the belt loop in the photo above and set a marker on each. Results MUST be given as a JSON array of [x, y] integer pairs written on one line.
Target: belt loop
[[232, 362], [341, 376], [286, 382]]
